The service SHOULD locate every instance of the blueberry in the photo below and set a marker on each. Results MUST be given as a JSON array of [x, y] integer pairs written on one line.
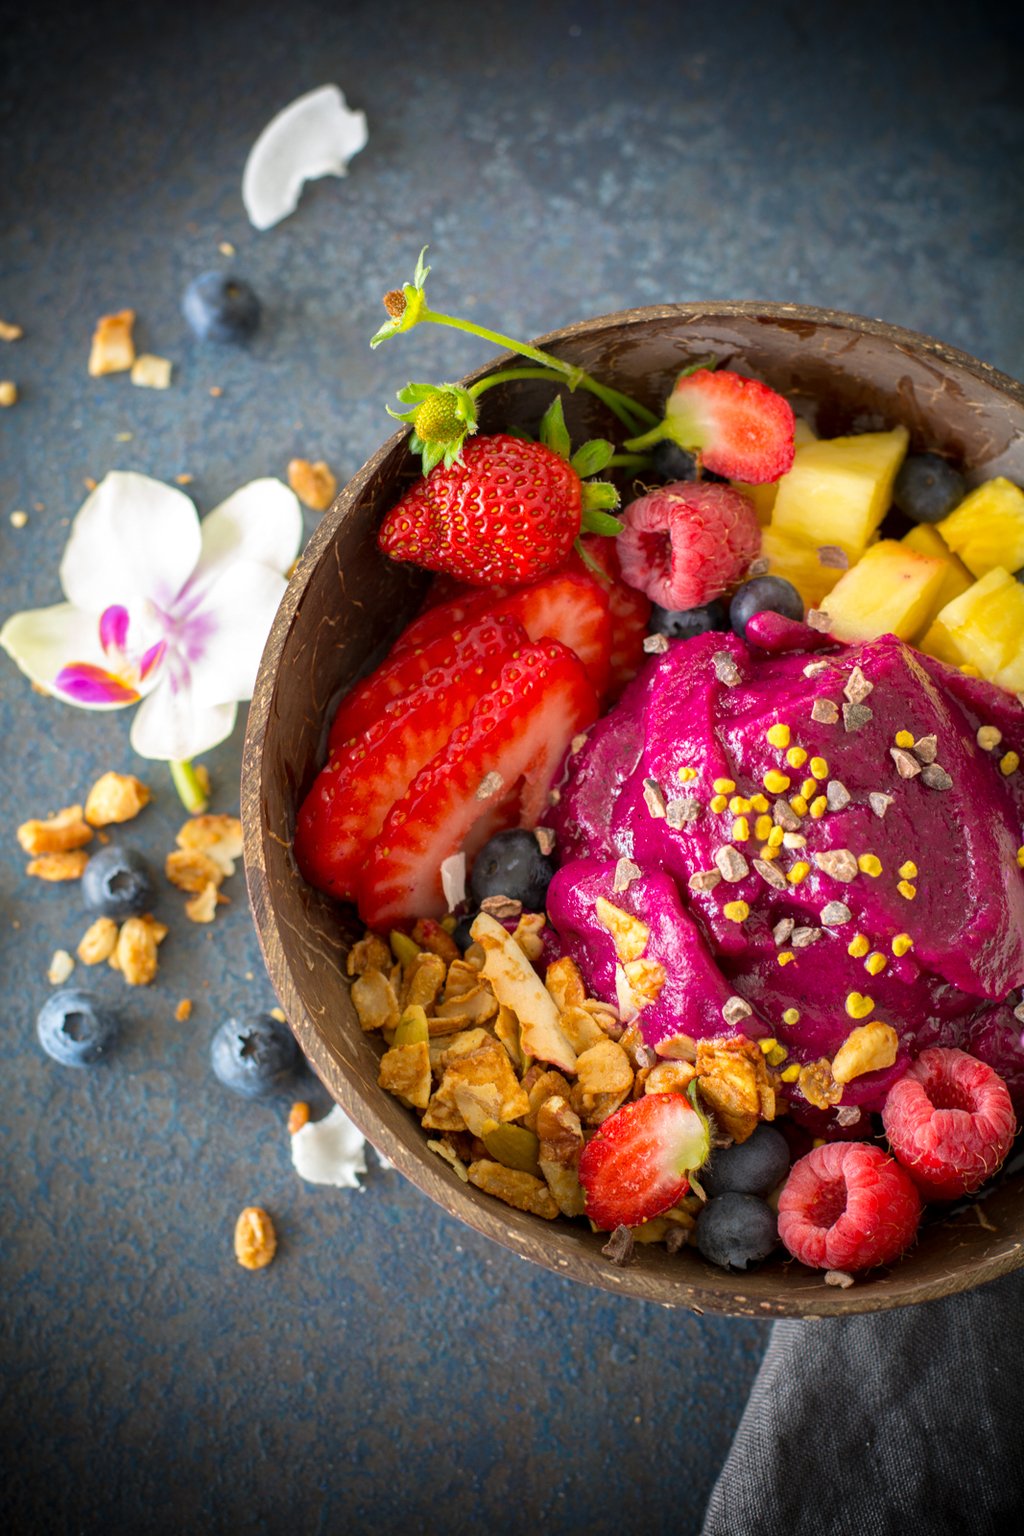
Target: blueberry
[[221, 307], [672, 462], [461, 933], [118, 883], [511, 864], [764, 594], [735, 1231], [927, 488], [254, 1055], [75, 1027], [751, 1167], [685, 623]]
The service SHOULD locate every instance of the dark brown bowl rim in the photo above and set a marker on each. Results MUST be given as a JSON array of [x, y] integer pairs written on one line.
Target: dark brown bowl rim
[[557, 1246]]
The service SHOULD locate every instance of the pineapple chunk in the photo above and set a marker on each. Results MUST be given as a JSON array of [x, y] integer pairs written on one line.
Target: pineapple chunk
[[925, 539], [890, 591], [798, 562], [987, 528], [840, 488], [986, 626], [938, 642], [763, 496]]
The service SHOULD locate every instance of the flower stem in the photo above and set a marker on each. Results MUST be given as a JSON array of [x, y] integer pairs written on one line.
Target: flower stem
[[190, 789], [624, 407]]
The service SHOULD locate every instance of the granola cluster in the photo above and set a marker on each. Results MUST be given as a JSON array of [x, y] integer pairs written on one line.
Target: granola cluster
[[511, 1074]]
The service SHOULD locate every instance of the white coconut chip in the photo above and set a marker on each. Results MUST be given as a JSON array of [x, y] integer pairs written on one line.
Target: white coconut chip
[[330, 1151], [453, 879], [315, 135]]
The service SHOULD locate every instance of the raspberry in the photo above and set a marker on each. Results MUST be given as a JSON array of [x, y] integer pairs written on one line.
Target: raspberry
[[847, 1205], [950, 1122], [685, 544]]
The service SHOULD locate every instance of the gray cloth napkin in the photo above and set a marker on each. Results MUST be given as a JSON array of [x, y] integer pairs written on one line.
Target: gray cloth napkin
[[884, 1424]]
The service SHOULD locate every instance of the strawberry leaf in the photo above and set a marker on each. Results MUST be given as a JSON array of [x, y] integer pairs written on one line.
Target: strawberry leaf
[[592, 457], [553, 432]]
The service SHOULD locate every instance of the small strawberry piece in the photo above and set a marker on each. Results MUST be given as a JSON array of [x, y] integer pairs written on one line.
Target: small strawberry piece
[[629, 608], [687, 543], [950, 1122], [847, 1205], [493, 773], [741, 428], [507, 511], [568, 605], [638, 1164], [346, 806]]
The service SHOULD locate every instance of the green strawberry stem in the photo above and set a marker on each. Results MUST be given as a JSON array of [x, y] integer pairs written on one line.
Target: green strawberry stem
[[190, 790]]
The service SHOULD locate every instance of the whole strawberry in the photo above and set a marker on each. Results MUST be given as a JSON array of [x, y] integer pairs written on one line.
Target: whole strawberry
[[506, 512]]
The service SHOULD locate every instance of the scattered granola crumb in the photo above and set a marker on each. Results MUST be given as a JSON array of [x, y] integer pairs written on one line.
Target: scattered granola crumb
[[123, 437], [501, 907], [625, 873], [226, 248], [98, 941], [278, 1014], [314, 484], [879, 803], [654, 799], [856, 717], [620, 1247], [19, 519], [907, 766], [10, 332], [726, 670], [8, 392], [54, 867], [115, 797], [203, 906], [184, 479], [545, 840], [183, 1012], [135, 952], [838, 1277], [216, 391], [89, 483], [818, 619], [113, 349], [298, 1116], [57, 834], [60, 969], [151, 372], [825, 711], [255, 1238]]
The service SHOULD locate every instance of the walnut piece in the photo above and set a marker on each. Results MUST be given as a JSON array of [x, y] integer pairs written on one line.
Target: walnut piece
[[255, 1238]]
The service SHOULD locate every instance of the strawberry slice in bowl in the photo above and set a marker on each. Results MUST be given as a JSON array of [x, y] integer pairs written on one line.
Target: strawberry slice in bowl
[[641, 1160], [494, 772], [368, 773]]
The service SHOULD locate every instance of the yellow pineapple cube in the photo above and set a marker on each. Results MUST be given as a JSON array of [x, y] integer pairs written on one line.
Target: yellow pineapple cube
[[840, 488], [987, 528], [925, 539], [986, 626], [797, 561], [938, 642], [763, 496], [890, 591]]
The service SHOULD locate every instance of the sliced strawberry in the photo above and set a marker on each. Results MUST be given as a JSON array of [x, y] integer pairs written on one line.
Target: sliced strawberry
[[638, 1164], [630, 612], [570, 605], [742, 429], [494, 772], [350, 798], [405, 667]]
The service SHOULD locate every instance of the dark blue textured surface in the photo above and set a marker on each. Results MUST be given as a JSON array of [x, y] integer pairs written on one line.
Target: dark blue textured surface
[[390, 1370]]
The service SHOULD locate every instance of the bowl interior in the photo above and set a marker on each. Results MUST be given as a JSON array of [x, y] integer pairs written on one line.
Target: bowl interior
[[345, 603]]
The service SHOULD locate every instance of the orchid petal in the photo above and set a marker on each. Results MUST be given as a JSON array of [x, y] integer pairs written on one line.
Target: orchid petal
[[170, 727], [243, 601], [43, 641], [262, 521], [114, 623], [132, 539], [82, 683]]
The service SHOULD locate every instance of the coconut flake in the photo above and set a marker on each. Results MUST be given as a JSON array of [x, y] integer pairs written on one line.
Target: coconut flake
[[315, 135], [330, 1151], [453, 879]]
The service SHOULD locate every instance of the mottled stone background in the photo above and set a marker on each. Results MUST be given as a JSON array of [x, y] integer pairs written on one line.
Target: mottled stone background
[[390, 1371]]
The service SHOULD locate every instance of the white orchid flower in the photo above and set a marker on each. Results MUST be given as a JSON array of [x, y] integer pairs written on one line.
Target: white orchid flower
[[163, 610]]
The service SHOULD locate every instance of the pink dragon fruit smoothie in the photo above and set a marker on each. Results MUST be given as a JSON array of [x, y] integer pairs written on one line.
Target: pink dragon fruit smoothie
[[816, 837]]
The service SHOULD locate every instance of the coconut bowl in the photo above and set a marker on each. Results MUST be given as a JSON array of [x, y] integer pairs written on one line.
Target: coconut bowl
[[346, 602]]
